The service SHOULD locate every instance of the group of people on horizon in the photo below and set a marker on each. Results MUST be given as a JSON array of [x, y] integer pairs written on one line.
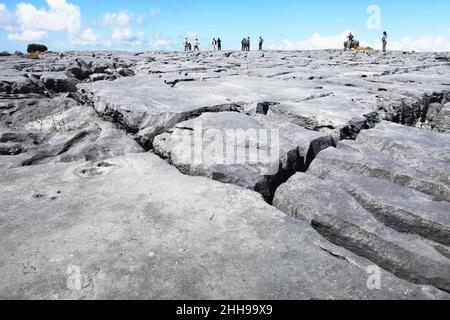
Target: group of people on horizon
[[351, 41], [216, 44], [246, 44], [188, 46]]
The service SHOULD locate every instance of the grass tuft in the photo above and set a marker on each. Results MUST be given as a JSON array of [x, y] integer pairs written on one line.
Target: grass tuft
[[364, 48], [34, 55]]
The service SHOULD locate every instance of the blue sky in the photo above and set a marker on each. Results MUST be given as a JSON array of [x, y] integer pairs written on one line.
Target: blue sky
[[162, 24]]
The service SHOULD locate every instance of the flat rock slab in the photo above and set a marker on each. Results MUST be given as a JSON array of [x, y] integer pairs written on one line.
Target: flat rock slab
[[399, 174], [327, 114], [135, 227], [257, 152], [409, 157], [390, 189], [425, 151], [149, 242], [332, 91], [149, 106]]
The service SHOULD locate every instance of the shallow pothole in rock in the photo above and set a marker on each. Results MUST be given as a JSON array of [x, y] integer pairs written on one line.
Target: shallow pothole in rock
[[95, 169]]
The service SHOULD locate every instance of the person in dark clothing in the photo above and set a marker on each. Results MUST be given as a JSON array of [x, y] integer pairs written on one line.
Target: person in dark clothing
[[219, 44], [350, 41], [261, 41], [243, 42], [248, 44], [384, 41]]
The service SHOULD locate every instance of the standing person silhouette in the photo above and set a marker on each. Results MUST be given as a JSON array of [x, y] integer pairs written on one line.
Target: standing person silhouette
[[350, 41], [384, 41], [214, 44], [196, 45], [219, 44], [261, 41]]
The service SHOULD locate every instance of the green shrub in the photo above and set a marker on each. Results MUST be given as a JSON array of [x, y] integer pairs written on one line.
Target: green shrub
[[33, 47]]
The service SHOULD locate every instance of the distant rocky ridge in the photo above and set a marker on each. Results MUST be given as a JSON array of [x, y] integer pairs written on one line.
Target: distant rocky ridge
[[90, 144]]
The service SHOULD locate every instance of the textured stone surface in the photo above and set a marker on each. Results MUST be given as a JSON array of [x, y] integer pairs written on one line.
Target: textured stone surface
[[57, 130], [83, 184], [342, 220], [297, 146], [383, 196], [137, 228], [442, 119], [334, 91]]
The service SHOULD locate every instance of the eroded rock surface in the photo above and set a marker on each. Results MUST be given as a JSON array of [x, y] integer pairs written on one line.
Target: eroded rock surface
[[442, 119], [161, 235], [249, 164], [361, 175], [383, 196]]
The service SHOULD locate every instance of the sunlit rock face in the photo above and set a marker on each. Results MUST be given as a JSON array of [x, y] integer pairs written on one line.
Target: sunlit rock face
[[116, 182]]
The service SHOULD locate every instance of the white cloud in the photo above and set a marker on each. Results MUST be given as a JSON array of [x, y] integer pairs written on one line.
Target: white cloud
[[61, 16], [138, 39], [153, 12], [191, 34], [31, 23], [6, 18], [161, 43], [121, 23], [126, 34], [122, 34], [317, 42], [119, 20], [87, 37], [158, 42], [28, 35], [437, 43], [140, 19], [5, 15]]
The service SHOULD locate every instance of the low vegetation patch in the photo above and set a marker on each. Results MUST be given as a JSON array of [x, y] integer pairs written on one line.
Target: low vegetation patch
[[364, 48], [34, 55]]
